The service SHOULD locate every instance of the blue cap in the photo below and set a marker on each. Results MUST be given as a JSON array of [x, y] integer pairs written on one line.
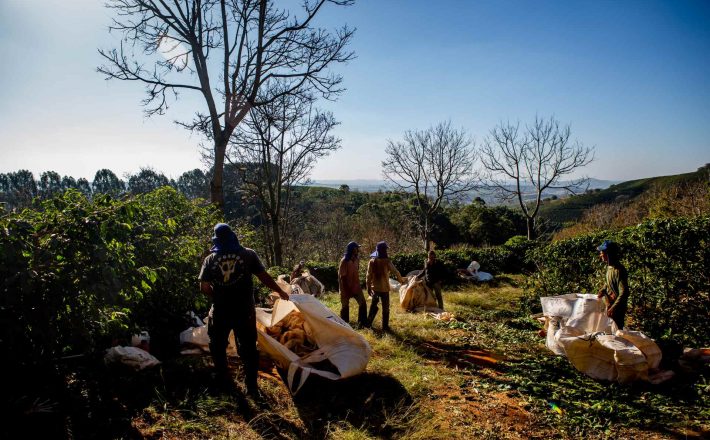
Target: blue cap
[[606, 246]]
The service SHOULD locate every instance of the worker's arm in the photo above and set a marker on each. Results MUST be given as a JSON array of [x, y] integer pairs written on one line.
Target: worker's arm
[[206, 288], [368, 277], [396, 273], [269, 282]]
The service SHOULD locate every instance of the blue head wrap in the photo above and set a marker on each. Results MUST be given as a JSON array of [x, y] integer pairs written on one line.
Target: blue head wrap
[[224, 239], [349, 249], [380, 250]]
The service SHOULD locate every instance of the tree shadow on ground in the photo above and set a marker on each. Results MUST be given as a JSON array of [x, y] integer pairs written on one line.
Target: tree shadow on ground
[[372, 402]]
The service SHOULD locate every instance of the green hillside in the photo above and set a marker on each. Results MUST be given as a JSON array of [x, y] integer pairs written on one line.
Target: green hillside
[[571, 208]]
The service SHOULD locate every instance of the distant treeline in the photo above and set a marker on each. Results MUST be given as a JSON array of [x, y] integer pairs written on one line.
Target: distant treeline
[[320, 220], [18, 189]]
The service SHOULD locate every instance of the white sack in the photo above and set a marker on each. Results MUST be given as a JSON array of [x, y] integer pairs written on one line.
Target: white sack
[[578, 327], [415, 296], [309, 284], [602, 356], [647, 346], [198, 337], [394, 285], [337, 342], [484, 276], [134, 357]]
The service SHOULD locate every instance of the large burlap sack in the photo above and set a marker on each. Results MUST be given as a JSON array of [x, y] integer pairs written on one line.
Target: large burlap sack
[[415, 296], [198, 337], [603, 356], [585, 312], [309, 284], [346, 351], [578, 327], [648, 346]]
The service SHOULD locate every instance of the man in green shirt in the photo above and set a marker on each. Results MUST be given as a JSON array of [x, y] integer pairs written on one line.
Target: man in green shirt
[[616, 289]]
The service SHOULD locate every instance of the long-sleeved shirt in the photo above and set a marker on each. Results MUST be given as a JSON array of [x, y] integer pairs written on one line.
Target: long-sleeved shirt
[[378, 274], [617, 286], [433, 272], [348, 276]]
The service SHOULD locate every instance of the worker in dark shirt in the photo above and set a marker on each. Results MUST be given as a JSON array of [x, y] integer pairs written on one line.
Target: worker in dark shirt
[[226, 277], [434, 273]]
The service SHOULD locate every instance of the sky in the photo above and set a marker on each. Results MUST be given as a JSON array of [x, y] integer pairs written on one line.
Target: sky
[[632, 78]]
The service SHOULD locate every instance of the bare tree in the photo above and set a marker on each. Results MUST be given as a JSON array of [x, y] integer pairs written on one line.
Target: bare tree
[[283, 139], [227, 51], [520, 163], [436, 165]]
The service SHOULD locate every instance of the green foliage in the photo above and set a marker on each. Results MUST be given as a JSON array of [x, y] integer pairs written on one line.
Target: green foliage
[[571, 208], [78, 273], [483, 225], [325, 272], [516, 240], [668, 263]]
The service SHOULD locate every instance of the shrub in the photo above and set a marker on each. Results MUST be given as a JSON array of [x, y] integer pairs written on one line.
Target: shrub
[[669, 274], [78, 274]]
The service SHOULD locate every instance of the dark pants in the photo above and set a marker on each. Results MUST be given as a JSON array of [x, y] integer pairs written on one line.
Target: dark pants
[[436, 288], [385, 296], [244, 327], [619, 316], [361, 310]]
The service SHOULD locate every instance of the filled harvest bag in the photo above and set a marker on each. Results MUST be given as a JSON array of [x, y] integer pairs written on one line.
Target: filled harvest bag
[[603, 356], [324, 344], [197, 337], [415, 296], [583, 311], [578, 328], [309, 284]]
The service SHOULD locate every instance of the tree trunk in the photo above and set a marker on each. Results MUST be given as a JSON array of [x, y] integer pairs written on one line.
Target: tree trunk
[[426, 235], [531, 228], [278, 251], [216, 184]]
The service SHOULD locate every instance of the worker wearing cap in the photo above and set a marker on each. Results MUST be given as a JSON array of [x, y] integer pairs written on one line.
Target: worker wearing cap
[[616, 289], [349, 285], [226, 277], [378, 283]]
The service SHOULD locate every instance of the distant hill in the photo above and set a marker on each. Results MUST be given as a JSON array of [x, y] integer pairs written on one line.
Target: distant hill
[[374, 185], [571, 208]]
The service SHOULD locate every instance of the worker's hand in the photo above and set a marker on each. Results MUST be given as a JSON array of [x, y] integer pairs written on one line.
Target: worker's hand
[[600, 293], [609, 311], [370, 292]]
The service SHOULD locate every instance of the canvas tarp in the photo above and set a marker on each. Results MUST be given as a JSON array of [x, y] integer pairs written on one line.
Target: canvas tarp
[[337, 342], [415, 296]]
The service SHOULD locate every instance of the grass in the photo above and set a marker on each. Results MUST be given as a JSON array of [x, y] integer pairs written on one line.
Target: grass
[[485, 375]]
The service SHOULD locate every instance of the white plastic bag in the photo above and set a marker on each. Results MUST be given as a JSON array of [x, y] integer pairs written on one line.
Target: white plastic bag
[[337, 342]]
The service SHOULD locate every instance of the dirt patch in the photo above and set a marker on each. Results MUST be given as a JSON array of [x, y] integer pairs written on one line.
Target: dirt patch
[[467, 411]]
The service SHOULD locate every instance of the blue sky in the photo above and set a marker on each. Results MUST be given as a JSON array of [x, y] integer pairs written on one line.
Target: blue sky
[[631, 77]]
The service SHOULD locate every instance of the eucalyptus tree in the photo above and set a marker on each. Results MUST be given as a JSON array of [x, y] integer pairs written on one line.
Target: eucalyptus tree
[[228, 52], [106, 182]]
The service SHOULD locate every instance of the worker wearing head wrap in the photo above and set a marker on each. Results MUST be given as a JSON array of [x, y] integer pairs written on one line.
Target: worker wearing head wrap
[[349, 284], [378, 285]]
